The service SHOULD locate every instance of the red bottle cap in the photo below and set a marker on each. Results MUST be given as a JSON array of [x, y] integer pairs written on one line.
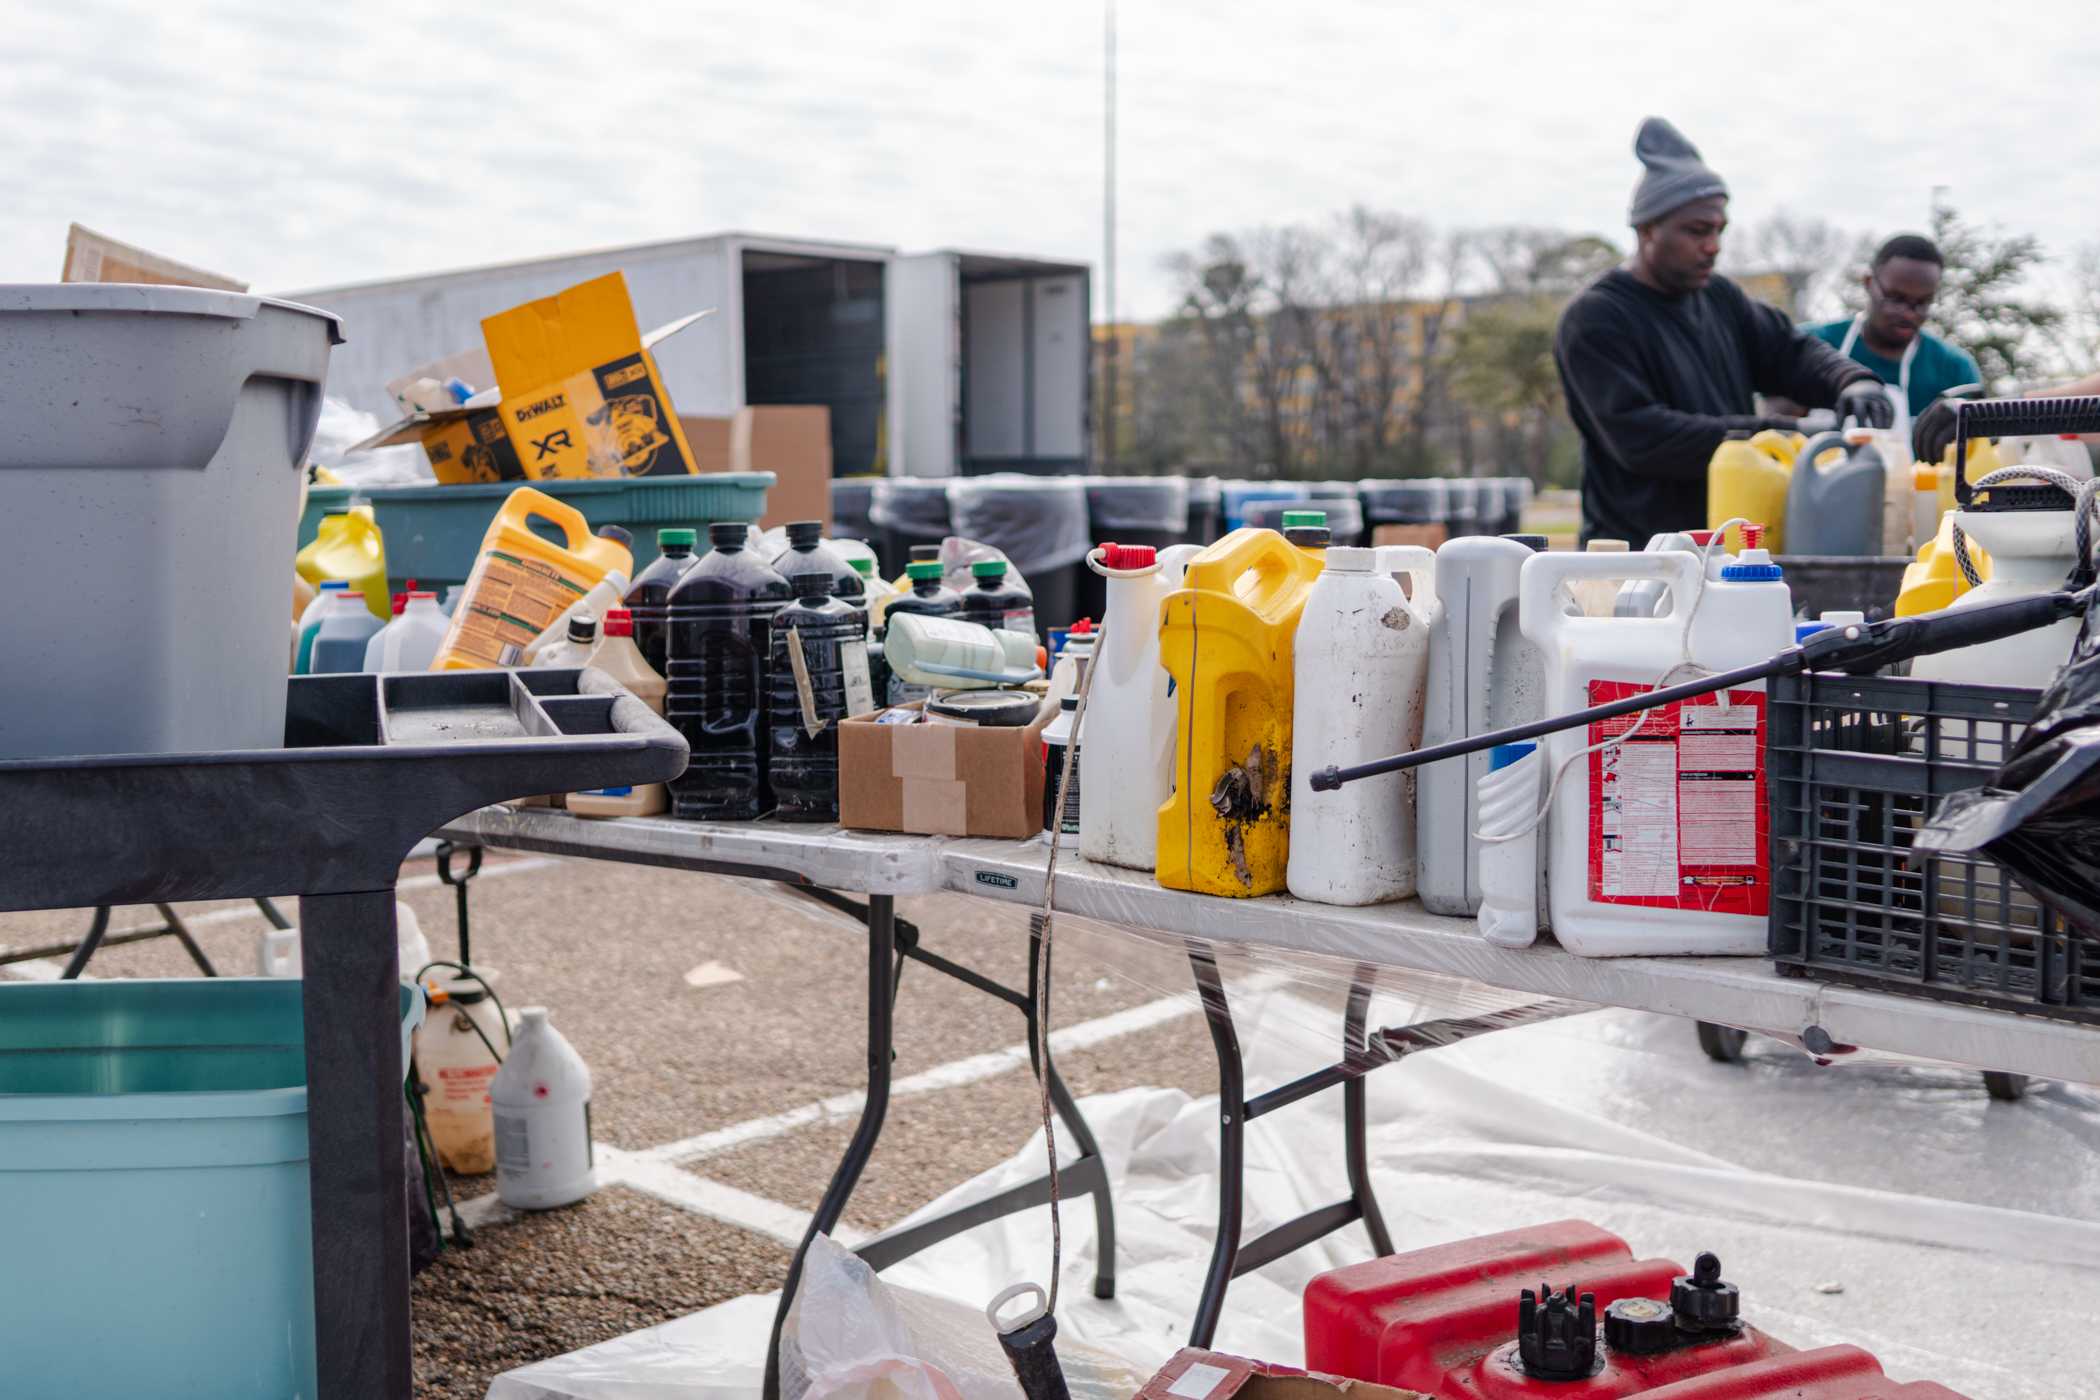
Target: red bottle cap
[[619, 622], [1753, 536], [1128, 556]]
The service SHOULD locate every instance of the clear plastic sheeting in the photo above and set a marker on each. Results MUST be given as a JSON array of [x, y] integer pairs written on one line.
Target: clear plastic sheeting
[[1039, 522], [1147, 504], [341, 427], [1896, 1209], [913, 506]]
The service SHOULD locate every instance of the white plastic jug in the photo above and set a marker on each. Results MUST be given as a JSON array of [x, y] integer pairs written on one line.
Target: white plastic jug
[[347, 627], [542, 1101], [949, 653], [411, 641], [607, 593], [1126, 765], [277, 950], [1361, 658], [1656, 838], [2032, 551], [1510, 793], [1484, 674]]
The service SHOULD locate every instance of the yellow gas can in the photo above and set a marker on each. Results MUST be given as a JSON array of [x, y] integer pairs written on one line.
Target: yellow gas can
[[1747, 480], [521, 582], [1933, 580], [1226, 637], [350, 547], [1983, 460]]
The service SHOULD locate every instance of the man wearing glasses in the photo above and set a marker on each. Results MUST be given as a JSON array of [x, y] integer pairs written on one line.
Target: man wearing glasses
[[1890, 338]]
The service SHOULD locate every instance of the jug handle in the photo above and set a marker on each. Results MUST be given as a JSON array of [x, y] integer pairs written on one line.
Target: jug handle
[[1419, 564], [1248, 549], [1814, 448], [1537, 616], [525, 503]]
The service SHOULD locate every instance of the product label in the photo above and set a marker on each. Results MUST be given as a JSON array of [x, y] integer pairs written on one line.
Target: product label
[[510, 600], [860, 686], [513, 1143], [1677, 806], [805, 693], [466, 1086]]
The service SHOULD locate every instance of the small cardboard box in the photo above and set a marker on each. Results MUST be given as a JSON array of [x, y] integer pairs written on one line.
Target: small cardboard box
[[1195, 1374], [792, 441], [582, 395], [96, 257], [1428, 536], [942, 779], [709, 439]]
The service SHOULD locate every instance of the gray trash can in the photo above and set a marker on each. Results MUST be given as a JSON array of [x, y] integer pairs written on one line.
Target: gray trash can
[[149, 475]]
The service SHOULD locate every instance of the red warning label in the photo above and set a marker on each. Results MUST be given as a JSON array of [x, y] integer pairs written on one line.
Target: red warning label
[[1677, 806]]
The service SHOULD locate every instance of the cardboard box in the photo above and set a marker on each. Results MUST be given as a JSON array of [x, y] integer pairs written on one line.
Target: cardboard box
[[941, 779], [1428, 536], [792, 441], [582, 395], [96, 257], [1195, 1374], [709, 439]]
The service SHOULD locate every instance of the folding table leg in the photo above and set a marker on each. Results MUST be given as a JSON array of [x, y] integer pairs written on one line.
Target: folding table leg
[[356, 1169], [1232, 1102], [882, 945], [1355, 1145], [1068, 1111]]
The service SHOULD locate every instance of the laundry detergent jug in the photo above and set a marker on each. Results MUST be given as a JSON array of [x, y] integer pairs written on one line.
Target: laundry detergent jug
[[350, 547], [1127, 762], [1657, 834], [1836, 507], [1748, 481], [1227, 637], [1361, 659], [1484, 674], [522, 583]]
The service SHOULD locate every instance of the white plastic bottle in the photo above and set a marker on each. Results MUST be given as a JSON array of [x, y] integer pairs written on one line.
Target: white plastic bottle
[[542, 1101], [277, 952], [1127, 762], [620, 658], [1657, 835], [1484, 675], [1361, 658], [411, 641], [605, 594], [1510, 794], [1068, 672], [575, 649], [454, 1066], [948, 653]]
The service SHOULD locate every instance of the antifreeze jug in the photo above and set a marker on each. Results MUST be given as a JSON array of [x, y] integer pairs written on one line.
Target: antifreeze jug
[[650, 594], [807, 552], [1127, 762], [1836, 508], [411, 641], [1484, 675], [1361, 658], [346, 630], [1744, 482], [522, 583], [806, 702], [2029, 527], [350, 547], [720, 643], [1656, 841], [1227, 637], [620, 658]]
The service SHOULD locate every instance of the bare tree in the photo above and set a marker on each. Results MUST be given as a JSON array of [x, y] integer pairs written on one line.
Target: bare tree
[[2078, 337], [1812, 254]]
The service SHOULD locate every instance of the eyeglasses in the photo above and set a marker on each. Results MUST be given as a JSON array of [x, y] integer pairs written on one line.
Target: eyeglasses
[[1920, 306]]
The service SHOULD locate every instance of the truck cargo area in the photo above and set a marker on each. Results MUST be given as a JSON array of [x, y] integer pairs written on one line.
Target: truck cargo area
[[813, 334]]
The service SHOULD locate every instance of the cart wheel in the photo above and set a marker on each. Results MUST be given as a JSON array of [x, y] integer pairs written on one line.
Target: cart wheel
[[2004, 1087], [1723, 1043]]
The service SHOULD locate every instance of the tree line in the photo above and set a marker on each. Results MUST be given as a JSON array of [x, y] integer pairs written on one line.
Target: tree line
[[1373, 344]]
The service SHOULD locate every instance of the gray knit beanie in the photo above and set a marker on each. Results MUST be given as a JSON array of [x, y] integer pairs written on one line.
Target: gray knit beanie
[[1675, 175]]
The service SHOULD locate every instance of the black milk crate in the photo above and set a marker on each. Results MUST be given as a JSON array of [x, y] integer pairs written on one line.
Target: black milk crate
[[1855, 766]]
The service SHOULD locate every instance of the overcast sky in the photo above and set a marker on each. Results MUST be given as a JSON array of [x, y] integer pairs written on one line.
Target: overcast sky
[[294, 145]]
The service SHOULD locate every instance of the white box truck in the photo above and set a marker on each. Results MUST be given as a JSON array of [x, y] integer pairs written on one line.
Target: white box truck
[[932, 364]]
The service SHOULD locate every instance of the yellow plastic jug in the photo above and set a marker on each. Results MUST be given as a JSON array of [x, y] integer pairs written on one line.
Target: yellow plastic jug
[[350, 547], [521, 583], [1747, 479], [1933, 580], [1983, 460], [1781, 446], [1226, 636]]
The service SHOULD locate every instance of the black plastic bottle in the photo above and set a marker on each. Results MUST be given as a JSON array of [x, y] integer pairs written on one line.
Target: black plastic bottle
[[803, 768], [806, 552], [651, 592], [1306, 529], [994, 602], [721, 639], [927, 595]]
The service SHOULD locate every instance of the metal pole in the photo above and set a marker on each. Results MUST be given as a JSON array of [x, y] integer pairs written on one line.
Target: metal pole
[[1111, 396]]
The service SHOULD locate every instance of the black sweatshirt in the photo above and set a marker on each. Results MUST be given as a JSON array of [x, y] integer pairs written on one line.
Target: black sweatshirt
[[1655, 382]]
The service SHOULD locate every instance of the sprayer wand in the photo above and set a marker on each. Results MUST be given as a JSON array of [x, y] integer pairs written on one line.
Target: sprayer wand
[[1851, 647]]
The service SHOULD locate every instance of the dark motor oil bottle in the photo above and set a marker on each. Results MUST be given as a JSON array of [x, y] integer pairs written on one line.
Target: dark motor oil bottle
[[803, 768], [721, 639], [996, 602], [927, 595], [651, 592], [805, 552]]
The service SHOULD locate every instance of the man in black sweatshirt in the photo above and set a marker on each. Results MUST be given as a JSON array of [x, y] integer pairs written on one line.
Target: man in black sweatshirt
[[1660, 358]]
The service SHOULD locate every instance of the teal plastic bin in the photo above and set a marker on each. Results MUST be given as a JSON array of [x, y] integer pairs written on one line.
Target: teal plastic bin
[[153, 1183], [433, 533]]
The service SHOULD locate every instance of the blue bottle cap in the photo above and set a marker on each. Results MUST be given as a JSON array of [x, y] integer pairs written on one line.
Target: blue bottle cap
[[1804, 630], [1752, 573], [1502, 755]]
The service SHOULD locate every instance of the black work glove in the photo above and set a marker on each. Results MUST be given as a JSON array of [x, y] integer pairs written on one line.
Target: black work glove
[[1933, 433], [1866, 403]]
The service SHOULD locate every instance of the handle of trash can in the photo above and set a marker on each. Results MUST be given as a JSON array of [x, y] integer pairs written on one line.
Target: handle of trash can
[[279, 343]]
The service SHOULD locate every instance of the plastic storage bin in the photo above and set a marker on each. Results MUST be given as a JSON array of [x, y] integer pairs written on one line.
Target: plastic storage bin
[[906, 511], [1345, 518], [166, 425], [433, 533], [1038, 522], [1856, 765], [1836, 583], [1236, 496], [153, 1160], [1389, 502]]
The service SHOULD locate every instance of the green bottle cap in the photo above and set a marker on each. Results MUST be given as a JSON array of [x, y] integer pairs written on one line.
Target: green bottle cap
[[1304, 519], [864, 567], [988, 568], [688, 538], [923, 569]]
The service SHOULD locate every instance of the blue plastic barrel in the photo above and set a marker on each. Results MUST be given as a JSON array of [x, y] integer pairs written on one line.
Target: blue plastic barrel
[[153, 1171]]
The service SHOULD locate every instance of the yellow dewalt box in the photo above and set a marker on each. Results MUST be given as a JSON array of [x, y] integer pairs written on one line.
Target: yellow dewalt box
[[581, 392]]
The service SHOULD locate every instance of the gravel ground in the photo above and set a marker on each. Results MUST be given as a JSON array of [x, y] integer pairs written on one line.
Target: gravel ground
[[608, 949]]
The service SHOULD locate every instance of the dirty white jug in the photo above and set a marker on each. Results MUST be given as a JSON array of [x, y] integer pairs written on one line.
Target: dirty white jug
[[411, 641], [542, 1100], [1361, 658], [1126, 765]]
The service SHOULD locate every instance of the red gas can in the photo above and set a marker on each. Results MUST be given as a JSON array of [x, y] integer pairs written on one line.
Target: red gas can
[[1484, 1320]]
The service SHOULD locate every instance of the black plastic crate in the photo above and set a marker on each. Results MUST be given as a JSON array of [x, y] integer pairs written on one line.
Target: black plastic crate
[[1855, 767]]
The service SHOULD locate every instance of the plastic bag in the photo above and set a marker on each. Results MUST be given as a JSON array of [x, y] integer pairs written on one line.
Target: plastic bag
[[1039, 521], [340, 427]]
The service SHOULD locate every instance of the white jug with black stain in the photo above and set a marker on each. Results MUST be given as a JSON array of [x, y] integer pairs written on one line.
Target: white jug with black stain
[[1361, 658]]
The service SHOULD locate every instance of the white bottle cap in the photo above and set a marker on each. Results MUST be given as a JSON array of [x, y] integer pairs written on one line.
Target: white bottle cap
[[1341, 559]]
